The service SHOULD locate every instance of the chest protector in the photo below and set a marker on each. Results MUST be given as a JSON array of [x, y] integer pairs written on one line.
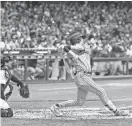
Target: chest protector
[[5, 77]]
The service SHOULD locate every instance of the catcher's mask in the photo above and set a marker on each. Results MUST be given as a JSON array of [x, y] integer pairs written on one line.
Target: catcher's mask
[[5, 59], [76, 38]]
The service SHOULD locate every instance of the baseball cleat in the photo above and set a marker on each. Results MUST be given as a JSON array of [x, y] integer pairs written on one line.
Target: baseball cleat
[[56, 110], [122, 113]]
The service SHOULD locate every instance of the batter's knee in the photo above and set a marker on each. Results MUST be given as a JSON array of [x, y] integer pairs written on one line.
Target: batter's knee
[[101, 92], [102, 95], [6, 112]]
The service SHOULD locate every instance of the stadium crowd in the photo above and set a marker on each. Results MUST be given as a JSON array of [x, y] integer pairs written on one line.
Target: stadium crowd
[[107, 25]]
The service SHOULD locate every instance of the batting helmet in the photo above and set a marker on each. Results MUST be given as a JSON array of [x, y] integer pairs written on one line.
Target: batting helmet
[[75, 38]]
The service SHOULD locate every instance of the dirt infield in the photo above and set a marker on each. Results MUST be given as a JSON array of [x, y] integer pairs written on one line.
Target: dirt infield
[[35, 110], [71, 117], [39, 122]]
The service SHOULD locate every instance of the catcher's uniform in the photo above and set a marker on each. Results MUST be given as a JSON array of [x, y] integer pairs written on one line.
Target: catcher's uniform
[[6, 88]]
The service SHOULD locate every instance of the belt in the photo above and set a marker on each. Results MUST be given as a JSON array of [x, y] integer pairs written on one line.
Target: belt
[[85, 72]]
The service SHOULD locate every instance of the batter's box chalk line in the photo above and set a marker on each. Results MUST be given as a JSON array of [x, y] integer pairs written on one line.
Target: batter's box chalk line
[[68, 114]]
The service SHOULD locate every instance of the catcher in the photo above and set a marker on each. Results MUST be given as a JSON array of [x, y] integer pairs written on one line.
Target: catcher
[[7, 88]]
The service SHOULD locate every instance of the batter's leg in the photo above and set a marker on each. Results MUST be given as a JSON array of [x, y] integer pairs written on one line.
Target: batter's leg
[[81, 98], [93, 87], [89, 84]]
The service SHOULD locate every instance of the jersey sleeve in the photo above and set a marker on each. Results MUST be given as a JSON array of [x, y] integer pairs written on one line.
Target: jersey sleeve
[[71, 53], [77, 47]]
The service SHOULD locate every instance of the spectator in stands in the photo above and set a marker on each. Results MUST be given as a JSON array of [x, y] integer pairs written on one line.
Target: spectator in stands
[[129, 51], [34, 72], [27, 22], [104, 18], [117, 67], [62, 70], [13, 44]]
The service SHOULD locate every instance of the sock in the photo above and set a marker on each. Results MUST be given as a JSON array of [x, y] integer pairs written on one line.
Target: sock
[[111, 106]]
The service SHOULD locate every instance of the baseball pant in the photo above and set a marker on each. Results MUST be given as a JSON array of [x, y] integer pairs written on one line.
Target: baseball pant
[[86, 84]]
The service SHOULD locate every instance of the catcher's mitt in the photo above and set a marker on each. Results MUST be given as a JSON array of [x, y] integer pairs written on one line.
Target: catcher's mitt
[[24, 91]]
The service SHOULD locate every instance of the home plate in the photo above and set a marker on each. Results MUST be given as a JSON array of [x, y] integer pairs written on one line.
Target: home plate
[[68, 114]]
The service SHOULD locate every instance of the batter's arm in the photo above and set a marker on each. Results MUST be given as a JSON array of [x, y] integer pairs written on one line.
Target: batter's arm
[[85, 47], [70, 52], [77, 47]]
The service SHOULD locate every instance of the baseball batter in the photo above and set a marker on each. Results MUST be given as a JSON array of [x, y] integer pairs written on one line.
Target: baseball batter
[[78, 54]]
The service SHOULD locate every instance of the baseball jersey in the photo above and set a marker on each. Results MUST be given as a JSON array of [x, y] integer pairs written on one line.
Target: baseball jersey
[[79, 58]]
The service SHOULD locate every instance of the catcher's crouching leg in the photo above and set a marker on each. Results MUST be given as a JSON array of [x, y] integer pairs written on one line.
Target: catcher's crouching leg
[[6, 112], [2, 91], [8, 94]]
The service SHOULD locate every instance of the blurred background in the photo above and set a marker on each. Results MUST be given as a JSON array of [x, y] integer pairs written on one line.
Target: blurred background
[[41, 24]]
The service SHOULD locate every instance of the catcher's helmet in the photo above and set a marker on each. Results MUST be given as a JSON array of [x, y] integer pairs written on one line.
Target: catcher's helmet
[[75, 38], [5, 59]]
